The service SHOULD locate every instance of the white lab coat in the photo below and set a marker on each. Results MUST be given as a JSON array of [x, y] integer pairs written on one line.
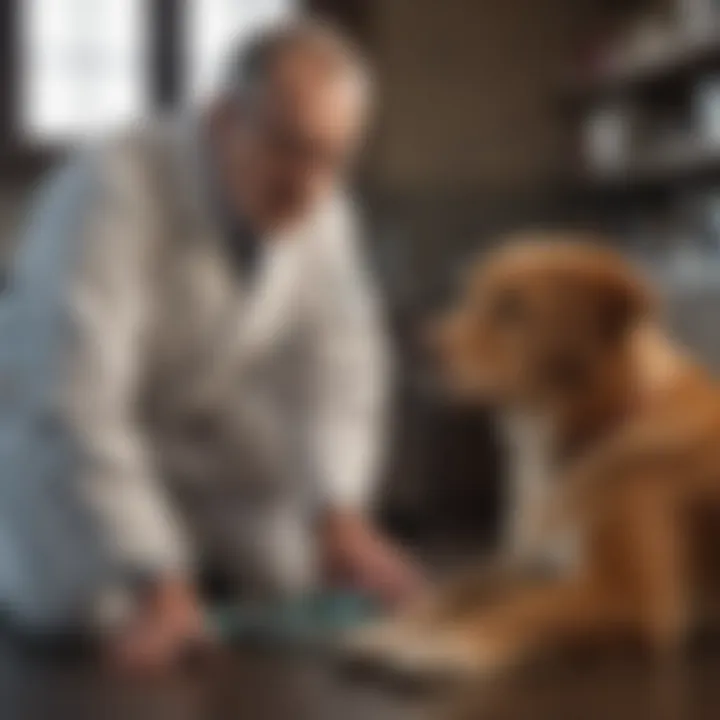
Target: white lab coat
[[155, 410]]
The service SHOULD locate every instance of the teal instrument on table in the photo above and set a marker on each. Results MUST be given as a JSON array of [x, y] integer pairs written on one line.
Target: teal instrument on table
[[301, 622]]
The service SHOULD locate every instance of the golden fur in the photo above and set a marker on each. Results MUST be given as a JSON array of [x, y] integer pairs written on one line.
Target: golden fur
[[569, 330]]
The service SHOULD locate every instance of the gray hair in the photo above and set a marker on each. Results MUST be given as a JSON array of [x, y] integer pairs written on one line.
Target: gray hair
[[252, 62]]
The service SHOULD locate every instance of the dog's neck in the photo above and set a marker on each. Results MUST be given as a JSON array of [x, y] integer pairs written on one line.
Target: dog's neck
[[645, 370], [542, 441]]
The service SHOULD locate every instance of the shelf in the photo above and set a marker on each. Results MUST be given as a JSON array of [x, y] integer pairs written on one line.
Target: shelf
[[682, 57], [682, 162], [693, 276]]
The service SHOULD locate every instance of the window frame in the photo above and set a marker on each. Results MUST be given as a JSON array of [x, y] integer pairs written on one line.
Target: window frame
[[168, 72]]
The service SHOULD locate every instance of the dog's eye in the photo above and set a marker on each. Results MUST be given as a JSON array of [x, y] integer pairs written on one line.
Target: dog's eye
[[508, 308]]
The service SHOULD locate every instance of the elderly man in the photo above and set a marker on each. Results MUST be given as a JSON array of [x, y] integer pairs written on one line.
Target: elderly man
[[192, 373]]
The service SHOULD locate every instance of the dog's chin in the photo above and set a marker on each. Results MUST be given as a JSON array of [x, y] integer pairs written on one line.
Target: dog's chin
[[442, 390], [493, 396], [463, 390]]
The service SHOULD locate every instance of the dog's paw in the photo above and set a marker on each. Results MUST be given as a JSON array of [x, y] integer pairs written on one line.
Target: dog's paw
[[372, 643], [414, 653], [434, 658]]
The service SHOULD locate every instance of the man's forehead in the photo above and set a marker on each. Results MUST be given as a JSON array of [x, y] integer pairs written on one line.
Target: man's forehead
[[305, 74], [329, 110], [305, 96]]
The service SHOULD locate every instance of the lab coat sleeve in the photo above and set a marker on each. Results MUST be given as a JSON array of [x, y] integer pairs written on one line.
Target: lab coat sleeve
[[351, 368], [105, 305]]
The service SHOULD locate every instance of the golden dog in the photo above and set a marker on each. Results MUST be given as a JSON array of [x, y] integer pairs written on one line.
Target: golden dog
[[563, 338]]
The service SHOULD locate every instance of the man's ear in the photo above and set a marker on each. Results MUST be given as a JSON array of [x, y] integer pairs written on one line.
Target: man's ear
[[622, 299]]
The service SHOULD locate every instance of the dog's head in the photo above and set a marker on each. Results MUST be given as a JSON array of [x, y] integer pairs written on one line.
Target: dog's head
[[541, 320]]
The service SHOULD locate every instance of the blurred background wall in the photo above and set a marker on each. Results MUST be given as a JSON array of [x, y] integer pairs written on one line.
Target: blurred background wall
[[495, 115]]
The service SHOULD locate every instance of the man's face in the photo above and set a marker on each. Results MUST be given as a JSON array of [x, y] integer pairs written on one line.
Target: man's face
[[286, 150]]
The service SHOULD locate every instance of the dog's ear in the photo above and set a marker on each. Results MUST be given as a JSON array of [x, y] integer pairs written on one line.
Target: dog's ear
[[621, 299], [616, 300]]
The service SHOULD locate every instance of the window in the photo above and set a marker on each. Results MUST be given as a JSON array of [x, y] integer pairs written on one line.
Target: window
[[83, 66], [212, 27], [87, 66]]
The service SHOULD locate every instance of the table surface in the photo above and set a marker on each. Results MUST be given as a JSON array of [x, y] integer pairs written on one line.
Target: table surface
[[265, 686]]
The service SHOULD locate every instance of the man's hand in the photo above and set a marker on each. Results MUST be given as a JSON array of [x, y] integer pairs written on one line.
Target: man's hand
[[356, 555], [167, 625]]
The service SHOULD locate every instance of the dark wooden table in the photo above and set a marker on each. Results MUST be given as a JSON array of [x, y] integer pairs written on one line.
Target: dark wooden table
[[262, 686], [252, 686]]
